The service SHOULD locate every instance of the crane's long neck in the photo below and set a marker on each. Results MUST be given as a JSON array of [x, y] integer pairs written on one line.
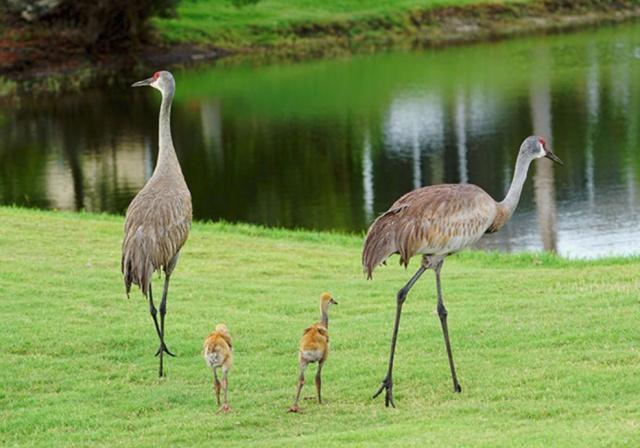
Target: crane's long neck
[[510, 202], [167, 154], [324, 315]]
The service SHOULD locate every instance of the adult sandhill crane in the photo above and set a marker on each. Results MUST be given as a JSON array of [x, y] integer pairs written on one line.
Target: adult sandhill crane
[[218, 354], [436, 221], [314, 347], [159, 217]]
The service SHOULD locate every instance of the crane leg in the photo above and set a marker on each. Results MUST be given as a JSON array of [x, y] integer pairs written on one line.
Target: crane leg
[[319, 381], [216, 384], [303, 367], [225, 386], [442, 314], [387, 383], [163, 311], [154, 315]]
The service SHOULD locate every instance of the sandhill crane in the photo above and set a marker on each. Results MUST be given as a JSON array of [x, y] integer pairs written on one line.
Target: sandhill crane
[[218, 354], [159, 217], [436, 221], [314, 347]]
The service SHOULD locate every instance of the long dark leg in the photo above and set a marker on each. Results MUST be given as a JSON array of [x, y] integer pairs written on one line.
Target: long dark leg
[[154, 313], [387, 383], [163, 311], [442, 313], [319, 381]]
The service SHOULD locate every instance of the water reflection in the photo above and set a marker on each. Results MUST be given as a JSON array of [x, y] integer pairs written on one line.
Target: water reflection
[[593, 106], [415, 125], [543, 180], [459, 121], [367, 179], [329, 144]]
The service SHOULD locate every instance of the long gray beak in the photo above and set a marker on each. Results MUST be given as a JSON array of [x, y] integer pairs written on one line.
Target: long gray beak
[[552, 156], [144, 82]]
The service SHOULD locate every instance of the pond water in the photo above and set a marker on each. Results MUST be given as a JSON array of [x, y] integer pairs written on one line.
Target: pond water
[[330, 144]]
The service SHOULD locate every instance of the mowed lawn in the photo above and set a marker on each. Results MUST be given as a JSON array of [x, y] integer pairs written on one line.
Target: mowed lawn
[[547, 350], [238, 23]]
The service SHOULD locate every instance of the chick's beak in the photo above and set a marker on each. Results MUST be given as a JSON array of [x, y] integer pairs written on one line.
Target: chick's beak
[[334, 302], [552, 156], [144, 82]]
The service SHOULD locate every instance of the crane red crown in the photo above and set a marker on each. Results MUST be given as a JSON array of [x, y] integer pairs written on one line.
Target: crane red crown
[[543, 143], [156, 75]]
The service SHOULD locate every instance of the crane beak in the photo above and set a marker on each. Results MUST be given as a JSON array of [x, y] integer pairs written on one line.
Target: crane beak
[[144, 82], [333, 302], [552, 156]]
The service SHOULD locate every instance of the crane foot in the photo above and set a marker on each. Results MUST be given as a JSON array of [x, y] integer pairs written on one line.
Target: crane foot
[[387, 386], [164, 348]]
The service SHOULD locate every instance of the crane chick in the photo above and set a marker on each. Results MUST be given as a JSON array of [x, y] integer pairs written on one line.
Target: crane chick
[[314, 347], [218, 353]]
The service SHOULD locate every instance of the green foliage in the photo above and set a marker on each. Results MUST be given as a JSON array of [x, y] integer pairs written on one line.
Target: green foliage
[[546, 348], [97, 25]]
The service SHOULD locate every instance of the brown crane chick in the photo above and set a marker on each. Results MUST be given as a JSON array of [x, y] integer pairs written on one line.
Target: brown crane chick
[[218, 353], [314, 347]]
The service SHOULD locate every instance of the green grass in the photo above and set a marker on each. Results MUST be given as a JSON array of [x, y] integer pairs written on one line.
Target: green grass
[[304, 28], [547, 349], [268, 22]]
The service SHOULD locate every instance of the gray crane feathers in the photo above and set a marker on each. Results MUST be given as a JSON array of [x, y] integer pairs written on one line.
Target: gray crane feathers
[[434, 220], [443, 219], [159, 217]]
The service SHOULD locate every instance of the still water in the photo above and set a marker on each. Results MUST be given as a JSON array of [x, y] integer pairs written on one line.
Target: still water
[[330, 144]]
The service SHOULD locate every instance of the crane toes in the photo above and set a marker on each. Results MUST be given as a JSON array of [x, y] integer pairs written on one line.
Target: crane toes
[[387, 386], [295, 409], [164, 348]]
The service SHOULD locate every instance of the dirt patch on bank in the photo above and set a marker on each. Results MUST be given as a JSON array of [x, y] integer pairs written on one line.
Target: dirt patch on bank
[[451, 24]]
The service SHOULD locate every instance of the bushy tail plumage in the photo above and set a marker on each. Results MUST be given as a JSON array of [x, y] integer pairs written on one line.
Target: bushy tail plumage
[[136, 267], [380, 242]]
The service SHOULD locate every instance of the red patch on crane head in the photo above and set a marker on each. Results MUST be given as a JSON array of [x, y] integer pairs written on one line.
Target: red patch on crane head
[[543, 143], [156, 75]]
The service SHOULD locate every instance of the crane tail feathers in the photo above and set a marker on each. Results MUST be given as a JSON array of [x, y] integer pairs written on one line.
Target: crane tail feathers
[[136, 270], [379, 244]]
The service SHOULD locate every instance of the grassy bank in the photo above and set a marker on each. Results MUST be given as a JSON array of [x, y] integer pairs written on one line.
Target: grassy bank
[[546, 348], [308, 25]]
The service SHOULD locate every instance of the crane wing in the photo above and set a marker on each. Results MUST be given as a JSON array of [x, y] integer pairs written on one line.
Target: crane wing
[[434, 220], [156, 228]]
